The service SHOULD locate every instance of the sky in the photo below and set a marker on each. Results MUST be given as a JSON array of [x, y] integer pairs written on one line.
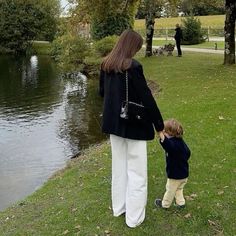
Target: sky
[[63, 3]]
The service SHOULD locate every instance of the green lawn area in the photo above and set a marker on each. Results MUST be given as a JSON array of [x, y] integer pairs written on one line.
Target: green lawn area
[[38, 48], [207, 45], [166, 26], [41, 47], [216, 21], [195, 89]]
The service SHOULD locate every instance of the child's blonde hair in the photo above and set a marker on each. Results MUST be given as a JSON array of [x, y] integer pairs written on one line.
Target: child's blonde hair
[[174, 128]]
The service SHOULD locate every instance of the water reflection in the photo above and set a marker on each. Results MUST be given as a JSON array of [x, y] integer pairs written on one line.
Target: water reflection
[[45, 118]]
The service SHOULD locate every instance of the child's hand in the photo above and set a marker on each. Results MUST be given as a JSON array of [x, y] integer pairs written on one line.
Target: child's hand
[[161, 135]]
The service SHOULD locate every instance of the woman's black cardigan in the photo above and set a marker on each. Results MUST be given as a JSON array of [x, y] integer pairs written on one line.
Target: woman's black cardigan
[[112, 88]]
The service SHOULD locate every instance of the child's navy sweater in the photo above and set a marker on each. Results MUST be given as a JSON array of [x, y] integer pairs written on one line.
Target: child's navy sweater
[[177, 155]]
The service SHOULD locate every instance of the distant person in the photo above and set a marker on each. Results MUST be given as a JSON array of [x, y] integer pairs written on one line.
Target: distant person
[[178, 37], [128, 139], [177, 168]]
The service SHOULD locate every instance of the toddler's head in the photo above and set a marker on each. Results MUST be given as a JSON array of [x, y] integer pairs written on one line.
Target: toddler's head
[[173, 128]]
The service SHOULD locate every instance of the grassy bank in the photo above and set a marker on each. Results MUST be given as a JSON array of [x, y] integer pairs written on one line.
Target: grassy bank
[[216, 21], [41, 48], [38, 48], [200, 92]]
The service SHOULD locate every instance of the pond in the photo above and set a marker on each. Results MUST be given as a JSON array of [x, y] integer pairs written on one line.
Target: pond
[[45, 119]]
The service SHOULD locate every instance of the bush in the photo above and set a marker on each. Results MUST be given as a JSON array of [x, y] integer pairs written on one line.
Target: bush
[[111, 25], [105, 45], [70, 51], [192, 31], [4, 50]]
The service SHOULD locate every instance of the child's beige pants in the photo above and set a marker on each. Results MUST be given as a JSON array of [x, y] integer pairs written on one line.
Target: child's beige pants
[[174, 189]]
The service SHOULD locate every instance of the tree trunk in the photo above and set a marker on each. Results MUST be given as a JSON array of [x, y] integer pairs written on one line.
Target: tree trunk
[[150, 21], [230, 9]]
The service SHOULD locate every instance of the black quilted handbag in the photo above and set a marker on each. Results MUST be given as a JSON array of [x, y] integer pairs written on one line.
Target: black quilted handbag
[[131, 111]]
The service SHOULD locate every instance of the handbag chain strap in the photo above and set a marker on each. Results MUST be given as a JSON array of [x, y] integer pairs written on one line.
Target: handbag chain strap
[[127, 91], [127, 88]]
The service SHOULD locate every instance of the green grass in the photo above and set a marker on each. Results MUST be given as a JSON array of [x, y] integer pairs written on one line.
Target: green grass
[[207, 45], [195, 89], [41, 48], [38, 48], [216, 21], [211, 25]]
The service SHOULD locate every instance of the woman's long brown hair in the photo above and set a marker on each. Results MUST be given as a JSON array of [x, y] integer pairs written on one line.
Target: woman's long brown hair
[[120, 58]]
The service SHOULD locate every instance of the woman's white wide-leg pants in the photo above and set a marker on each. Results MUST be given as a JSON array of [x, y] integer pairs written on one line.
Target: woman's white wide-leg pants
[[129, 179]]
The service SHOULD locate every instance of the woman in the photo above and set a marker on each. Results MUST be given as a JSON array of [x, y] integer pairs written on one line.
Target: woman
[[128, 140]]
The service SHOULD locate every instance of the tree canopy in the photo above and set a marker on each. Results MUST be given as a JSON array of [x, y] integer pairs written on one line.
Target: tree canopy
[[25, 20], [202, 7], [107, 17]]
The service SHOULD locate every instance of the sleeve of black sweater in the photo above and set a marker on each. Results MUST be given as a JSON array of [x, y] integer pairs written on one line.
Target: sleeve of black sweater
[[167, 145], [101, 83], [147, 99]]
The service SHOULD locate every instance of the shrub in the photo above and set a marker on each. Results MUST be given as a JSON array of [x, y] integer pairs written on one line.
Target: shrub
[[70, 51], [105, 45], [192, 31]]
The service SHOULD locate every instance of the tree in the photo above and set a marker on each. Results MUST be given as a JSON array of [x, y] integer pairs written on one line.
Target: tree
[[153, 9], [49, 23], [107, 17], [202, 7], [150, 8], [24, 20], [192, 31], [229, 54]]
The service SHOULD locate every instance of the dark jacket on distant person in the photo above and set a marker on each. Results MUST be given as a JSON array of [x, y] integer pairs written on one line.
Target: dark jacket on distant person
[[113, 89], [177, 155], [178, 34]]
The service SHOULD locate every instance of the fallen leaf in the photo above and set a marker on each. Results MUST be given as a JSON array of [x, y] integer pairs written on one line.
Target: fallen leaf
[[220, 192], [193, 195], [187, 216], [189, 198], [66, 232], [77, 227], [211, 222]]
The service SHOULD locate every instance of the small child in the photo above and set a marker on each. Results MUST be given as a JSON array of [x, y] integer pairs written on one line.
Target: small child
[[177, 168]]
